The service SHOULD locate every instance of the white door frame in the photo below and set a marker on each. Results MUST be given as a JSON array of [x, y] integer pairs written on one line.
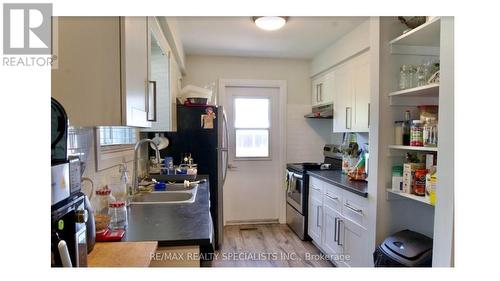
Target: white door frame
[[281, 84]]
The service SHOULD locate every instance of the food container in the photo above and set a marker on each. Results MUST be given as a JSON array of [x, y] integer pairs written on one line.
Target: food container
[[397, 178], [118, 214], [417, 133], [430, 132], [418, 182], [428, 111], [409, 174], [398, 132], [101, 221], [103, 199]]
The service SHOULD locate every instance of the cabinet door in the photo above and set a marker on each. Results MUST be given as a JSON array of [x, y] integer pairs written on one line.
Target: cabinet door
[[316, 91], [328, 88], [134, 48], [86, 80], [331, 244], [342, 105], [361, 87], [353, 239], [159, 90], [315, 219]]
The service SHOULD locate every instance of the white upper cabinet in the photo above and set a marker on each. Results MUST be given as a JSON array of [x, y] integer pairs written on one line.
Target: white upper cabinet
[[103, 75], [161, 88], [87, 78], [134, 46], [322, 89], [343, 105], [361, 93], [352, 95]]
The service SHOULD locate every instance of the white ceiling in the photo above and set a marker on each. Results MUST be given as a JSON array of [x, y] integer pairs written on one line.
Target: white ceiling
[[301, 37]]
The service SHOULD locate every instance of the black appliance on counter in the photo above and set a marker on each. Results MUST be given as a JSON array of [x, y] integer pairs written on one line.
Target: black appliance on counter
[[404, 249], [208, 146], [69, 233], [72, 231], [297, 182]]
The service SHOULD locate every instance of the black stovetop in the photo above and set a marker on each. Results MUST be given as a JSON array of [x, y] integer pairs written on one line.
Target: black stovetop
[[335, 164]]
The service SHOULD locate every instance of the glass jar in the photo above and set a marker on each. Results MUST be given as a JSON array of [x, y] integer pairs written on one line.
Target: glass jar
[[118, 214], [430, 132], [421, 75], [403, 77], [103, 199], [412, 76], [416, 133], [398, 132]]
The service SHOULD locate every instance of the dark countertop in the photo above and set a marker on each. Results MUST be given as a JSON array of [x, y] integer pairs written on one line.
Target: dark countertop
[[173, 224], [336, 178]]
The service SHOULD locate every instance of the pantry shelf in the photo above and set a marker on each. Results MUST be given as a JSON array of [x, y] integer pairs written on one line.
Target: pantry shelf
[[431, 90], [422, 199], [414, 148], [425, 35]]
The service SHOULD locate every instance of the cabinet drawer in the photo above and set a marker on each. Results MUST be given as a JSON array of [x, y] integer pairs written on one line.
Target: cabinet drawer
[[333, 197], [315, 188], [355, 208]]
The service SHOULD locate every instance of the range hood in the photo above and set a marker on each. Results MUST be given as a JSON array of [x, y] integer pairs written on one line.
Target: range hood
[[321, 112]]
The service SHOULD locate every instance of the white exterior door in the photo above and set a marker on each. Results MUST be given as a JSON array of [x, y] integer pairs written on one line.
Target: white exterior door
[[253, 191]]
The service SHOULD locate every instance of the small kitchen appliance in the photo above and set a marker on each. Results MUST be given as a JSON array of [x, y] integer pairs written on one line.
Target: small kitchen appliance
[[69, 232]]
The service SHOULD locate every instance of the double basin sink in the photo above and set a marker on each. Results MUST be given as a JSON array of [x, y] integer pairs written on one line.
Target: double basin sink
[[175, 193]]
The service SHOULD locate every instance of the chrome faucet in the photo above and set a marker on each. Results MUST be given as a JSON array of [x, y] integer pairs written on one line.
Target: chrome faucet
[[135, 180]]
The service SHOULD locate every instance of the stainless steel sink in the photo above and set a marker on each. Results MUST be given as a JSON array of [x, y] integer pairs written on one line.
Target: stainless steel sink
[[175, 194], [176, 187]]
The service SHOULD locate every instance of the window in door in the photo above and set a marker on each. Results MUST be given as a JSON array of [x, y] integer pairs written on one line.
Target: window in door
[[252, 127]]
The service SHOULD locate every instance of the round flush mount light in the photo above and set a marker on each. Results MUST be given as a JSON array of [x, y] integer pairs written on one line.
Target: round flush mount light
[[270, 23]]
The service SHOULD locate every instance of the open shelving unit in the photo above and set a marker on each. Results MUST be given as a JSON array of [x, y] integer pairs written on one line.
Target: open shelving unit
[[426, 34], [422, 199], [431, 90], [434, 40], [413, 148]]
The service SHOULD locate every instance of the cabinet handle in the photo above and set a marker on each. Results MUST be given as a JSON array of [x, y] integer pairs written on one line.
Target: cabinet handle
[[338, 229], [333, 198], [368, 115], [317, 92], [335, 239], [352, 208], [348, 117], [154, 101], [317, 216], [315, 188], [320, 92]]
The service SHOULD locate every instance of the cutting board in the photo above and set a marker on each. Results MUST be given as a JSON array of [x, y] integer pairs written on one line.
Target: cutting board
[[122, 254]]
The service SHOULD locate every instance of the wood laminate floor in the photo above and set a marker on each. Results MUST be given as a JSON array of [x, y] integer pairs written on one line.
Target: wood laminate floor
[[266, 245]]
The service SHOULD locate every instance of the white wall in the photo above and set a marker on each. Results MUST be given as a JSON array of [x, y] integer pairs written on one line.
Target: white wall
[[305, 138], [350, 44]]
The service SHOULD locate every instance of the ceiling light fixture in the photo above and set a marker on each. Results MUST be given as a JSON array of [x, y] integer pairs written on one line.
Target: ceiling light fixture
[[270, 23]]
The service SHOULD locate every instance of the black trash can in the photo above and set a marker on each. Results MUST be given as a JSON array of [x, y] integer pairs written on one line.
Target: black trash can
[[404, 249]]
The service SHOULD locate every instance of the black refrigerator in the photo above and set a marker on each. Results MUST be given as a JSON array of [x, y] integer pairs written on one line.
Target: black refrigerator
[[202, 131]]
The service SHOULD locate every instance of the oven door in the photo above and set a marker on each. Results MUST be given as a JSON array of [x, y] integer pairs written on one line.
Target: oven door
[[295, 191]]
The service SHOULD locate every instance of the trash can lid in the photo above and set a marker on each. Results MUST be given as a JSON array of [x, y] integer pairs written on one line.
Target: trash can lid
[[408, 244]]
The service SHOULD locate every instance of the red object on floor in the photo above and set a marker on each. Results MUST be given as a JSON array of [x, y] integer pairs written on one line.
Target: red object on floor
[[109, 235]]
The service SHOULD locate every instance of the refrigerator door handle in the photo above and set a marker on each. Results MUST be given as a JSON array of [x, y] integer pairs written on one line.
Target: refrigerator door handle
[[226, 136]]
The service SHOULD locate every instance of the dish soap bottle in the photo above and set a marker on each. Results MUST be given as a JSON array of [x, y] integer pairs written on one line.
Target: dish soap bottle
[[124, 190]]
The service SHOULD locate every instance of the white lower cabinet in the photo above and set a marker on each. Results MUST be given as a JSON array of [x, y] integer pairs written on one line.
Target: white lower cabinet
[[314, 216], [333, 228]]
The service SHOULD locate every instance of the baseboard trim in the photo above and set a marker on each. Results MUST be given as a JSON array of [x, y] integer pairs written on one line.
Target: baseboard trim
[[256, 221]]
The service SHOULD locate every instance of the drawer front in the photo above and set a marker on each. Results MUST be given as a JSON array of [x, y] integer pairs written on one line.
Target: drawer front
[[333, 197], [354, 208], [315, 188]]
